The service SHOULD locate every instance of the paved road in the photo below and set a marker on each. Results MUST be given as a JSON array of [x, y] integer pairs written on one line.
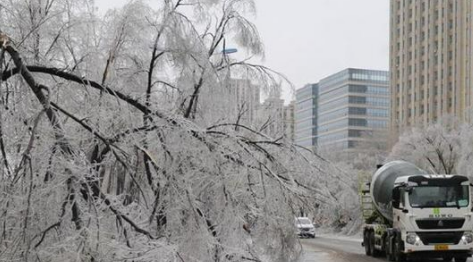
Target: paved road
[[335, 249]]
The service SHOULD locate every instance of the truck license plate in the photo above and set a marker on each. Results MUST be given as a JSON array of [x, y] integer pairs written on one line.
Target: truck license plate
[[441, 247]]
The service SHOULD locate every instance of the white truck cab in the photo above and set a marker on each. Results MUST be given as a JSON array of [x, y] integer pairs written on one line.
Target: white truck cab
[[433, 215], [418, 215]]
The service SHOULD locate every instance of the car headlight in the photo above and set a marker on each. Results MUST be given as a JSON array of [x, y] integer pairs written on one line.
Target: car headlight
[[467, 237], [412, 238]]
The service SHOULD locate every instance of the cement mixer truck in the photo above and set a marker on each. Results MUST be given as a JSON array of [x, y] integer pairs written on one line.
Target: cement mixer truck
[[418, 215]]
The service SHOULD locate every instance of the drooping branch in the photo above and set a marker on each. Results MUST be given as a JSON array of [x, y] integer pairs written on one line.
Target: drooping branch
[[82, 123], [38, 91], [53, 118], [26, 155], [193, 101], [55, 225], [98, 193], [2, 104], [80, 80]]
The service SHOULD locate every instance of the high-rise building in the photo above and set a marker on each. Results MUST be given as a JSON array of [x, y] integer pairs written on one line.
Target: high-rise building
[[246, 100], [353, 111], [305, 116], [289, 121], [431, 62], [271, 114]]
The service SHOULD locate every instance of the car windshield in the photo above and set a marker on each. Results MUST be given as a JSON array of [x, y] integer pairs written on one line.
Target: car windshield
[[304, 221], [439, 196]]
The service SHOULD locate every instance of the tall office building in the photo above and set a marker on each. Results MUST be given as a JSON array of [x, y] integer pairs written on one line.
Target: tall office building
[[289, 121], [305, 115], [271, 114], [246, 100], [431, 66], [353, 111]]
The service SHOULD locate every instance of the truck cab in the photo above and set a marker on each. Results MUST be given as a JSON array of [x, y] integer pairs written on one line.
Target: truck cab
[[432, 215]]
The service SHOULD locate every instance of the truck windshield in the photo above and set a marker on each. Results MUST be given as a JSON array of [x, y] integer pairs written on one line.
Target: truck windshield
[[439, 196]]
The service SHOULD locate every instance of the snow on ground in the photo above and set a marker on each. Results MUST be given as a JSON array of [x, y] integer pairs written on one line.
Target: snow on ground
[[354, 238], [314, 254]]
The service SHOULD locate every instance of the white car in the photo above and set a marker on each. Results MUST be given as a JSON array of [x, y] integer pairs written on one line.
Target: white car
[[305, 228]]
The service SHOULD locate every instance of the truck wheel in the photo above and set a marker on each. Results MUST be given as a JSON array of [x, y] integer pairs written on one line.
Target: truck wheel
[[374, 251], [398, 255], [447, 259], [460, 259], [366, 243], [387, 249]]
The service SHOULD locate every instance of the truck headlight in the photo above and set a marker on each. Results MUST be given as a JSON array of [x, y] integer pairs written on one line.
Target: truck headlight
[[467, 237], [412, 238]]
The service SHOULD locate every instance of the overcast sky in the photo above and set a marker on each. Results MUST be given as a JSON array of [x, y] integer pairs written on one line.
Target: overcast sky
[[310, 39]]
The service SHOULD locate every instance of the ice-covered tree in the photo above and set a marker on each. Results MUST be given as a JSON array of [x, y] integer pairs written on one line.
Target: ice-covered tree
[[118, 140], [436, 148]]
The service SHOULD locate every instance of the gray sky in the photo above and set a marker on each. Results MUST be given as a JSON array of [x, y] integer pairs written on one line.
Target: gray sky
[[310, 39]]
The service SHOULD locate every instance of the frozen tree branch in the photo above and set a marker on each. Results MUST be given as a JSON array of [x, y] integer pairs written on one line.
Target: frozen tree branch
[[142, 163]]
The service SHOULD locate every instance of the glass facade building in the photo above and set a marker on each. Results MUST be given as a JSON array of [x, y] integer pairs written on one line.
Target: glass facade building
[[353, 110], [306, 116]]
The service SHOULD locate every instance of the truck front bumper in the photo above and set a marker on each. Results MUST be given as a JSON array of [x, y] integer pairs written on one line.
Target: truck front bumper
[[430, 250], [438, 254]]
